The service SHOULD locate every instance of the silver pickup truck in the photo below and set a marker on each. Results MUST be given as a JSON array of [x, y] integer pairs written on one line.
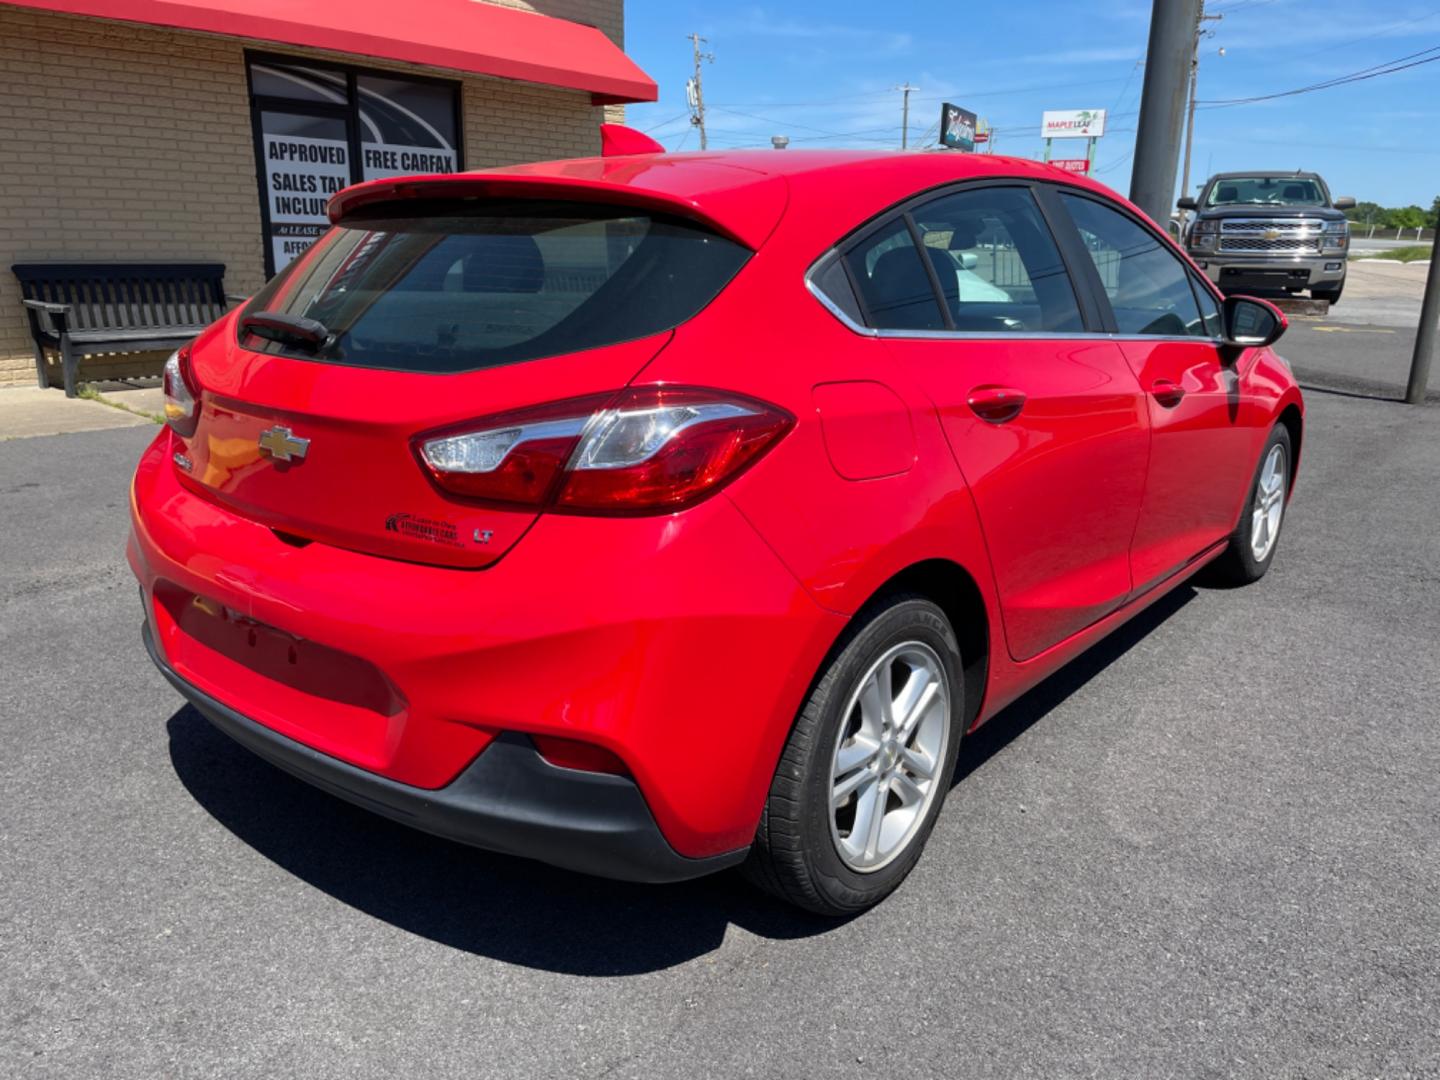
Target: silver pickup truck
[[1270, 232]]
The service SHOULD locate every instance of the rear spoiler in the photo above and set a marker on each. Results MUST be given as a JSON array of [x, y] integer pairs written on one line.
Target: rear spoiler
[[737, 203]]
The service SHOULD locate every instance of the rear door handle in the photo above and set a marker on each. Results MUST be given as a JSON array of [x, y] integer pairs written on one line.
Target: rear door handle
[[1167, 393], [996, 404]]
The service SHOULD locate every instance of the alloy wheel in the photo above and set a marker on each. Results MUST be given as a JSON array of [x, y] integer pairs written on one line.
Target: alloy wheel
[[1269, 504], [891, 746]]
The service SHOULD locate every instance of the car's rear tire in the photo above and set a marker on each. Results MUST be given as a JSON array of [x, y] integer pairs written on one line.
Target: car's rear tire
[[1332, 296], [850, 808], [1252, 545]]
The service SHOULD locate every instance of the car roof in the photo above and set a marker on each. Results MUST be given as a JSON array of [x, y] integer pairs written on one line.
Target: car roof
[[740, 192]]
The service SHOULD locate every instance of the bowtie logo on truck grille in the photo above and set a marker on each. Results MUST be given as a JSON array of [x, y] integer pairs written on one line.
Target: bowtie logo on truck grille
[[281, 444]]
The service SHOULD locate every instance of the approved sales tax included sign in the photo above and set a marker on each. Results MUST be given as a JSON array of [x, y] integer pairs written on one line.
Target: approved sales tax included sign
[[1078, 165], [1072, 124]]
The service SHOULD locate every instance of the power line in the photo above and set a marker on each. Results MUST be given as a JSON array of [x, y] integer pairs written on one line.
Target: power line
[[1387, 67], [665, 123]]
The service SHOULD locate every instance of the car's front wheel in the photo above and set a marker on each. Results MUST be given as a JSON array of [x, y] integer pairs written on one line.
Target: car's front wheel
[[867, 765], [1252, 544]]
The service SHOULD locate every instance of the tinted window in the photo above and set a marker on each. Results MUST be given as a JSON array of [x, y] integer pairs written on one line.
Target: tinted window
[[832, 280], [1148, 285], [466, 285], [894, 285], [998, 266]]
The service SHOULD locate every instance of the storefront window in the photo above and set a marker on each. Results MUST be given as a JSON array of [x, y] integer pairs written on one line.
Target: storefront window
[[319, 128]]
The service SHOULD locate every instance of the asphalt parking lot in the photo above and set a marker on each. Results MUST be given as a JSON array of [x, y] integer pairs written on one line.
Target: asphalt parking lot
[[1207, 849]]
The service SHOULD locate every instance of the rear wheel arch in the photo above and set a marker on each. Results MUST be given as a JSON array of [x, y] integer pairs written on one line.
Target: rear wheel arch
[[951, 588]]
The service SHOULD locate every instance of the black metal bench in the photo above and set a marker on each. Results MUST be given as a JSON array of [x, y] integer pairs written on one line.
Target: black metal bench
[[80, 309]]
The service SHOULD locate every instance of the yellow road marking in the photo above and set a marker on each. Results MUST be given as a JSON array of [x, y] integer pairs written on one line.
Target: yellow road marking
[[1351, 330]]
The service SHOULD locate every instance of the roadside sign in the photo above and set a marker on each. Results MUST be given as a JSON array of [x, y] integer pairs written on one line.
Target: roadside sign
[[1072, 124], [1076, 165], [957, 127]]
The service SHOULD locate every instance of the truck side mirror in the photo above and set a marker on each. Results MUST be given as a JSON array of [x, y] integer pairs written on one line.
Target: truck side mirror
[[1344, 202], [1187, 203]]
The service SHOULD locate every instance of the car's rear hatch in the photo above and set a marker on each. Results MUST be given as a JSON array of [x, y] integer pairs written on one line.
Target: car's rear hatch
[[359, 484], [441, 302]]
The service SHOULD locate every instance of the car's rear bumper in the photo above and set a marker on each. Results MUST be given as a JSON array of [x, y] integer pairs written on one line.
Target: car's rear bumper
[[1237, 273], [680, 644], [509, 800]]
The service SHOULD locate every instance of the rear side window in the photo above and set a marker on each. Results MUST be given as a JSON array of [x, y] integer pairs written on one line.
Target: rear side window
[[893, 283], [1148, 285], [997, 265], [460, 285]]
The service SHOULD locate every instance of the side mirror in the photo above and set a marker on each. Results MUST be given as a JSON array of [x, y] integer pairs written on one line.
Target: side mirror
[[969, 260], [1252, 323], [1344, 202], [1187, 203]]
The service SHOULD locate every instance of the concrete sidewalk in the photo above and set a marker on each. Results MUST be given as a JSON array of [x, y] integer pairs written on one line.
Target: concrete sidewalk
[[26, 411], [1381, 293]]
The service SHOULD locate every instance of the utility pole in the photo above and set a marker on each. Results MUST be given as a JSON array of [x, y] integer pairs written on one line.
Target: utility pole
[[1425, 334], [905, 115], [1200, 32], [694, 91], [1162, 106]]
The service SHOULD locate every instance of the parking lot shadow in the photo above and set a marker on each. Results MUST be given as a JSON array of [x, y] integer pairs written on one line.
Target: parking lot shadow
[[519, 911], [507, 908]]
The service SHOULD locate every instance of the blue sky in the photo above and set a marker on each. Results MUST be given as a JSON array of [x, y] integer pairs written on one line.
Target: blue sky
[[822, 73]]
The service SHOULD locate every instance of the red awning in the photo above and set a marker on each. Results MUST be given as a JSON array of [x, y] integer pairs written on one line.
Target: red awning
[[461, 35]]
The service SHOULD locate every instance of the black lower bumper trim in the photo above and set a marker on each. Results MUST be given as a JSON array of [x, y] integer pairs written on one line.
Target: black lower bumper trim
[[509, 800]]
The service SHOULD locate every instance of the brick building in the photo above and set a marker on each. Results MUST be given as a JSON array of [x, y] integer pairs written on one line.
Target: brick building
[[214, 129]]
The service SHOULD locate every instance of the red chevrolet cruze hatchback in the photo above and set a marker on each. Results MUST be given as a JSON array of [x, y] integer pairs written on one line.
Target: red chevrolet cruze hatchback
[[653, 513]]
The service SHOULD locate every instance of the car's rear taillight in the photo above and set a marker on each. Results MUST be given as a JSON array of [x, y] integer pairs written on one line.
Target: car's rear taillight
[[182, 399], [648, 449]]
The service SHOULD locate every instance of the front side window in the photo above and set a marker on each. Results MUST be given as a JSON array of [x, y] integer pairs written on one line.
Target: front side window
[[1148, 286], [998, 267], [457, 285]]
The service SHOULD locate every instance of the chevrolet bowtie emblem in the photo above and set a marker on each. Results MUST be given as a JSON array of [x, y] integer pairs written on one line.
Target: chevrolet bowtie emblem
[[281, 444], [1272, 234]]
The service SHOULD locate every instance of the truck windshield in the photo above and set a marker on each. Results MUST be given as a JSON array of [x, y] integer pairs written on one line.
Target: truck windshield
[[1265, 191]]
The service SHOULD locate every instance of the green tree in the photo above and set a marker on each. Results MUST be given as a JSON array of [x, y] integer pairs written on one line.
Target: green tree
[[1408, 217], [1366, 213]]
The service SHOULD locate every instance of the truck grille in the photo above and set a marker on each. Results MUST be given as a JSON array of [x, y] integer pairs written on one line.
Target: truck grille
[[1299, 236]]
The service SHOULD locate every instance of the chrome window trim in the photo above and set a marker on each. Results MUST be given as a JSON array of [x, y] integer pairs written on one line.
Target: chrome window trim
[[1043, 335], [977, 335], [830, 305]]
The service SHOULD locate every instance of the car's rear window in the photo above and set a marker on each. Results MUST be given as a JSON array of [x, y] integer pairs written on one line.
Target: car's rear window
[[464, 284]]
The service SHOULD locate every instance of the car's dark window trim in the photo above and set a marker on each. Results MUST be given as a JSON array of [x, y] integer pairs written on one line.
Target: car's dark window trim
[[936, 290]]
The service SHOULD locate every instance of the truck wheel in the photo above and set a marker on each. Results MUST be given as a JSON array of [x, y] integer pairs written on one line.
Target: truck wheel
[[1331, 295]]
